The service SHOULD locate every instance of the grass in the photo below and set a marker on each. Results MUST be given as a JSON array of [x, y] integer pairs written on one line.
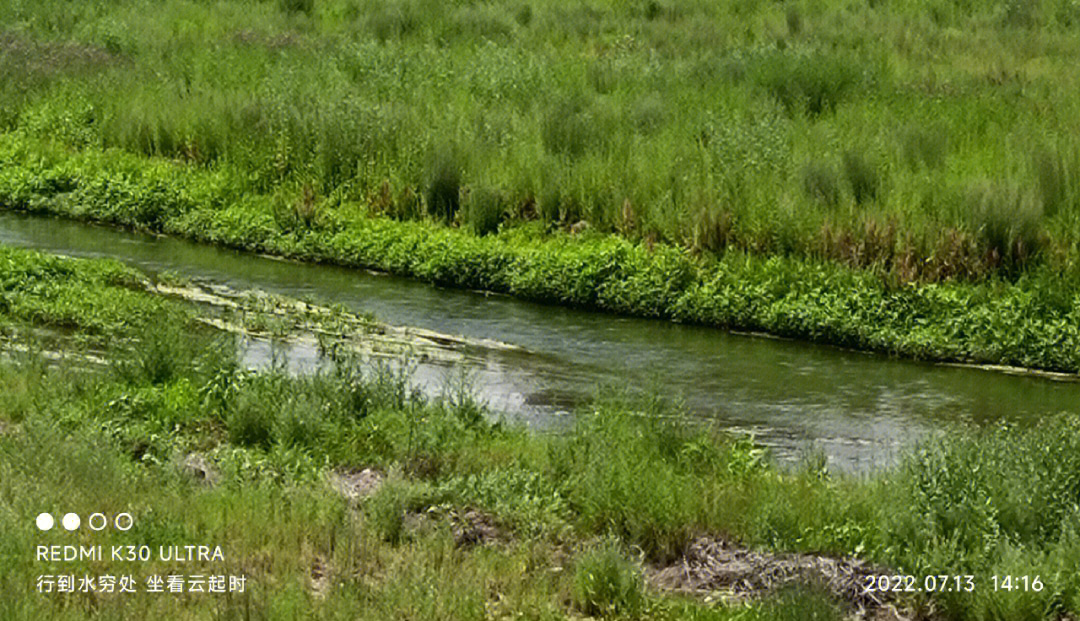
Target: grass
[[1023, 317], [916, 144], [565, 113], [628, 485]]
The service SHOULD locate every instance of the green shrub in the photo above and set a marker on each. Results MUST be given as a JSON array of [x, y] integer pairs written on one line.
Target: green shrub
[[607, 583], [862, 176], [297, 6], [820, 183], [442, 190], [812, 83], [922, 145], [1007, 221], [484, 211]]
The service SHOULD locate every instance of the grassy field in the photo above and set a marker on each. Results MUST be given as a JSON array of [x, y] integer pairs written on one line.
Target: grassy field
[[930, 139], [572, 523], [915, 144]]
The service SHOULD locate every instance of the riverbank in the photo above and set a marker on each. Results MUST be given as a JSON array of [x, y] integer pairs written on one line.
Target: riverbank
[[343, 494], [1031, 321]]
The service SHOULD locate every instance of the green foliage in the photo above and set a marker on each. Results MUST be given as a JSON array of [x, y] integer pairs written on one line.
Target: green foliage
[[820, 183], [443, 187], [862, 176], [607, 583], [483, 211], [630, 475], [924, 146], [811, 83]]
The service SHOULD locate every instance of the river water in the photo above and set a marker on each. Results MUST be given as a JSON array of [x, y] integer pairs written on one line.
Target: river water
[[860, 409]]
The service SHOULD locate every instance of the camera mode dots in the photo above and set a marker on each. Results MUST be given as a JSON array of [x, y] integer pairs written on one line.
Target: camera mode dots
[[45, 521], [71, 521]]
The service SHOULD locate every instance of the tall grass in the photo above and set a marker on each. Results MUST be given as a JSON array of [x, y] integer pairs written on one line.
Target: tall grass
[[566, 113]]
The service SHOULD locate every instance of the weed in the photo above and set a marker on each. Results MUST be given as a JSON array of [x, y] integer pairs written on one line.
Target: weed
[[862, 176], [1007, 220], [607, 583], [297, 6], [820, 183], [924, 146], [483, 211], [442, 193]]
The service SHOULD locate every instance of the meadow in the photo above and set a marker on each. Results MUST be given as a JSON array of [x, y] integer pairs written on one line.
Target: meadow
[[919, 144], [570, 525]]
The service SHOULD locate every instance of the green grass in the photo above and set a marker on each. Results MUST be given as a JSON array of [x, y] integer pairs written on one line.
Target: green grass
[[1027, 319], [628, 484], [924, 143], [674, 108]]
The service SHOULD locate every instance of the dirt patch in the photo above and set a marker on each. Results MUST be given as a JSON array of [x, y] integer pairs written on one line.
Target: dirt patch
[[355, 485], [469, 527], [713, 565]]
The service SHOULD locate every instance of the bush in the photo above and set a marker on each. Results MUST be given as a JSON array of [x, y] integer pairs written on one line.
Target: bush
[[820, 183], [1007, 223], [297, 6], [483, 211], [924, 146], [442, 192], [862, 176], [812, 83], [607, 583]]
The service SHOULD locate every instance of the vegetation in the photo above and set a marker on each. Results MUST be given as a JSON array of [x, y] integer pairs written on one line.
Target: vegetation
[[1030, 320], [581, 514], [922, 144]]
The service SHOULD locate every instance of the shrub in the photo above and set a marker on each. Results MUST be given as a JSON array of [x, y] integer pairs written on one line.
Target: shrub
[[483, 211], [607, 583], [443, 187], [923, 145], [862, 176], [820, 183], [813, 83], [1006, 221], [297, 6]]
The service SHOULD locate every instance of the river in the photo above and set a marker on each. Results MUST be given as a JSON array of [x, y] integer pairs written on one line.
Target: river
[[861, 410]]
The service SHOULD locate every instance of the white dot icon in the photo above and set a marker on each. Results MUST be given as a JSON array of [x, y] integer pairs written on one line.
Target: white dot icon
[[71, 521], [45, 521]]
